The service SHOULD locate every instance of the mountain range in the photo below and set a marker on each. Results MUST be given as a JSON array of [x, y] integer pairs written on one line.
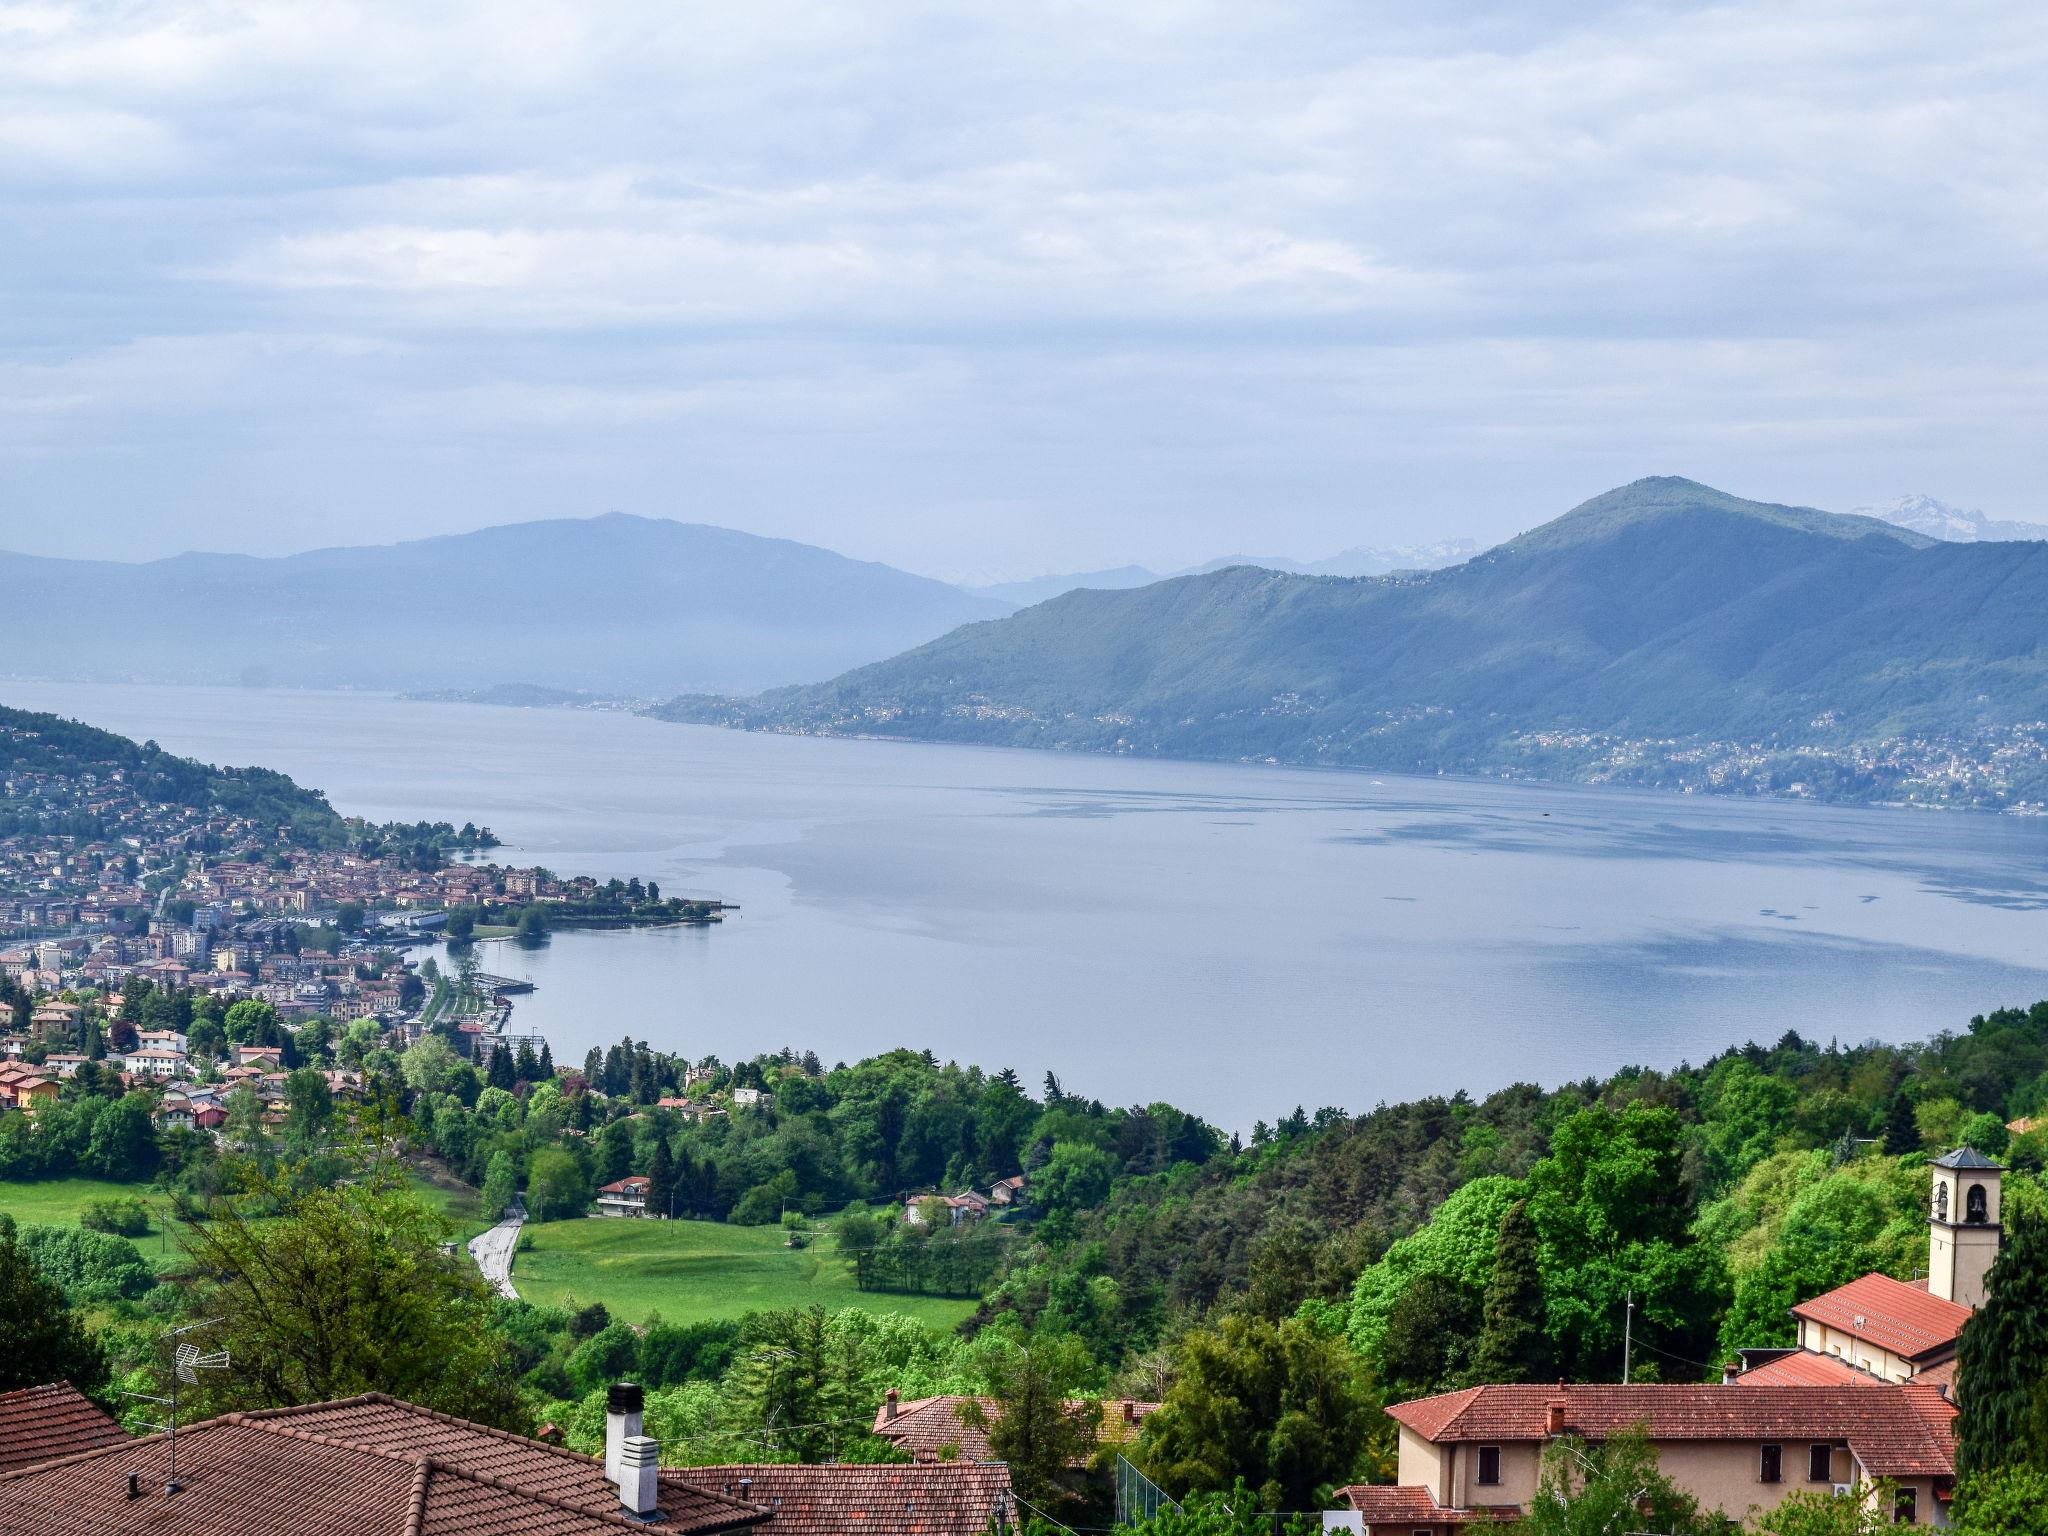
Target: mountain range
[[1360, 561], [1664, 632], [1955, 525], [613, 604]]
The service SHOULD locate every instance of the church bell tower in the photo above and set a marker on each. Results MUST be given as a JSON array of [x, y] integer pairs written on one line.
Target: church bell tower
[[1963, 1234]]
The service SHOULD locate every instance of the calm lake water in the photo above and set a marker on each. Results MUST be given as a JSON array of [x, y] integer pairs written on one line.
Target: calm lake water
[[1237, 940]]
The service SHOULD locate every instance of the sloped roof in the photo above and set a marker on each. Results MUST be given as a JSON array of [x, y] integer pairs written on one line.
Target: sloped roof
[[1902, 1318], [43, 1423], [1804, 1368], [938, 1498], [1894, 1431], [1966, 1157], [363, 1467], [1411, 1504], [928, 1426], [377, 1422]]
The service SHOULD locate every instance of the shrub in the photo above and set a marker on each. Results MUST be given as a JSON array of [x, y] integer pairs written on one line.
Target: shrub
[[123, 1215]]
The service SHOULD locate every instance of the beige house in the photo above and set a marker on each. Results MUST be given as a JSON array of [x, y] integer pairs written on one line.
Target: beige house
[[1477, 1454], [1867, 1394]]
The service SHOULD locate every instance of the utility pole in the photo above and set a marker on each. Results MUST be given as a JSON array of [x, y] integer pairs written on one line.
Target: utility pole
[[1628, 1335]]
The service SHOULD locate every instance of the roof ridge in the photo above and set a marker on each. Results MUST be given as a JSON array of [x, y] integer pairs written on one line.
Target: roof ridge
[[416, 1517], [128, 1444]]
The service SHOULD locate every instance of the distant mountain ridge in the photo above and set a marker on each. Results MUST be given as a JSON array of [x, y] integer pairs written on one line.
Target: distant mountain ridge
[[1662, 633], [612, 604], [1955, 525], [1362, 560]]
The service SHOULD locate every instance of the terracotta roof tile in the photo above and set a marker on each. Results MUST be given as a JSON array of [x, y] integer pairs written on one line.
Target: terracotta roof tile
[[1412, 1504], [1894, 1431], [929, 1427], [1804, 1368], [1893, 1315], [44, 1423], [342, 1469], [955, 1498]]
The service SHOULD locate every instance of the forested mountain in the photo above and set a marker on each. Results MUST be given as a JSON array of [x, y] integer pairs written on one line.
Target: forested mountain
[[1662, 633], [612, 604]]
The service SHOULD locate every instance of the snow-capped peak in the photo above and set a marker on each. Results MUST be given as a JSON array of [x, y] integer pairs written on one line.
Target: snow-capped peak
[[1955, 525]]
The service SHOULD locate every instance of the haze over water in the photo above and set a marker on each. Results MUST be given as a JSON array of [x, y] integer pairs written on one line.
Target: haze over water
[[1235, 939]]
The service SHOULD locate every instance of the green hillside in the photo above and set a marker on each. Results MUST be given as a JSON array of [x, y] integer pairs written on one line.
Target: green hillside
[[1663, 633]]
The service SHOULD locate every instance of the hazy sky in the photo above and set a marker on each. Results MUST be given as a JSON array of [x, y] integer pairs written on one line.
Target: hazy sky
[[982, 289]]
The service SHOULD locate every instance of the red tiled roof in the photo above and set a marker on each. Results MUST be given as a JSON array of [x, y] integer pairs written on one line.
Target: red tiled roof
[[1894, 1431], [1411, 1504], [44, 1423], [1942, 1375], [635, 1184], [1893, 1315], [943, 1498], [384, 1423], [363, 1467], [928, 1426], [1804, 1368]]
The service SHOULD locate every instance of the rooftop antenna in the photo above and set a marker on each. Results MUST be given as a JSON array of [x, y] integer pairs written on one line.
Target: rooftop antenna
[[187, 1361]]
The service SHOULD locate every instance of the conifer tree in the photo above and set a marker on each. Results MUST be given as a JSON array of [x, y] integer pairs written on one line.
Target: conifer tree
[[547, 1063], [1901, 1130], [661, 1179], [2002, 1356], [1512, 1343]]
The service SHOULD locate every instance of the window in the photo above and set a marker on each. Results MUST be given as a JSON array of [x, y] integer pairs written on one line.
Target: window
[[1975, 1206], [1820, 1464], [1489, 1464], [1906, 1511], [1770, 1464]]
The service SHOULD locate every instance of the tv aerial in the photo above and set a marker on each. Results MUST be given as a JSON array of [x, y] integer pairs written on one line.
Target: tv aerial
[[187, 1361]]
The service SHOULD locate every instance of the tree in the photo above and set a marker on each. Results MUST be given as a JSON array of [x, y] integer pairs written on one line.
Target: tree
[[1075, 1178], [1429, 1336], [1901, 1130], [1512, 1344], [661, 1179], [501, 1185], [533, 926], [1595, 1490], [1281, 1406], [1612, 1208], [1867, 1512], [556, 1185], [309, 1108], [41, 1338], [797, 1382], [2006, 1501], [1036, 1428], [345, 1290], [429, 1066], [2002, 1356]]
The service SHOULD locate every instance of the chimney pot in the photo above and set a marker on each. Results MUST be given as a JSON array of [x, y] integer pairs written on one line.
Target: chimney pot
[[623, 1401], [1729, 1372], [890, 1400], [134, 1485], [638, 1476], [1553, 1416], [1130, 1411]]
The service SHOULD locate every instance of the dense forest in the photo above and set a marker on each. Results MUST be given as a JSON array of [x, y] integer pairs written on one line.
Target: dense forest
[[1325, 1266]]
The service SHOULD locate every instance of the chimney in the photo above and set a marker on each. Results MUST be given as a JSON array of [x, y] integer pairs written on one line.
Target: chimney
[[1729, 1371], [1553, 1416], [623, 1403], [1130, 1411], [890, 1401], [638, 1478]]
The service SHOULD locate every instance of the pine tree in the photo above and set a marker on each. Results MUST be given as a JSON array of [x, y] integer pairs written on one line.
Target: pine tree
[[2002, 1356], [1512, 1343], [593, 1068], [525, 1065], [661, 1179], [499, 1073], [547, 1063], [1901, 1130]]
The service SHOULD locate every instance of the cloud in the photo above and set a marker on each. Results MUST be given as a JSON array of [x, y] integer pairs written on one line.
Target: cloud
[[1300, 275]]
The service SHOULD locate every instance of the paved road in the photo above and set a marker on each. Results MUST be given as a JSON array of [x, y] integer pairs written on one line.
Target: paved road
[[492, 1251]]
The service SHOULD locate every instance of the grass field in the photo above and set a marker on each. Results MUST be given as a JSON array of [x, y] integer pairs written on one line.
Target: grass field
[[692, 1270]]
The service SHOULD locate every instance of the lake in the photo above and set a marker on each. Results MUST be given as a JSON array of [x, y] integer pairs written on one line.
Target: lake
[[1237, 940]]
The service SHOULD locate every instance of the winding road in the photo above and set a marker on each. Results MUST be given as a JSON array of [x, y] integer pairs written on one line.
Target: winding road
[[492, 1251]]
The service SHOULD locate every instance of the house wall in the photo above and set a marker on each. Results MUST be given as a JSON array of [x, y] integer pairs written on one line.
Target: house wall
[[1858, 1351], [1726, 1474]]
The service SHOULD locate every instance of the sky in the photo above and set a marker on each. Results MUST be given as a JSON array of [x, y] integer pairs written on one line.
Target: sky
[[988, 290]]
